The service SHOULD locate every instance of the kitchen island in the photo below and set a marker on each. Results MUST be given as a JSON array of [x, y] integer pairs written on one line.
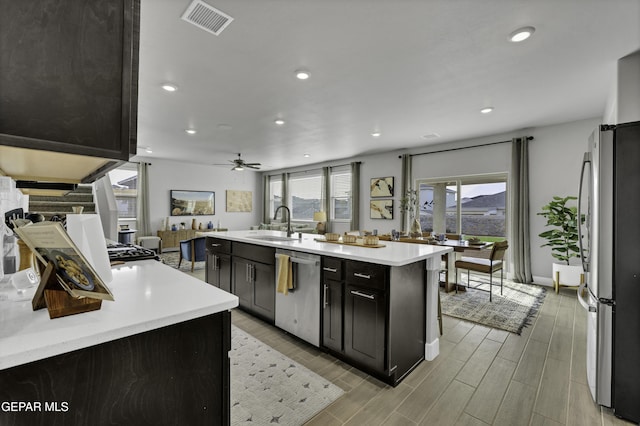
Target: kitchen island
[[376, 308], [158, 354]]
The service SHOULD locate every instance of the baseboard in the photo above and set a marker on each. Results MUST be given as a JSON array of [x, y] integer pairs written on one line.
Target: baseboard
[[432, 350]]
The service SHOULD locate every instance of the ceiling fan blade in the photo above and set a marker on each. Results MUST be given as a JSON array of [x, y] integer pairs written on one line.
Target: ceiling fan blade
[[250, 166]]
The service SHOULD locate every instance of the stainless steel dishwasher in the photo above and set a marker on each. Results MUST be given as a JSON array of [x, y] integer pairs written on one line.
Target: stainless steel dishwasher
[[299, 312]]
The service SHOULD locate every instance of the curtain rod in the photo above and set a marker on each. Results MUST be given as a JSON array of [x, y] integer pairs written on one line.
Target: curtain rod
[[463, 147]]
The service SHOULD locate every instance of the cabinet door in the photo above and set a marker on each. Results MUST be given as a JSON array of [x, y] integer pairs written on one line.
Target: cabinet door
[[242, 285], [70, 76], [224, 272], [332, 314], [364, 327], [264, 290], [211, 274]]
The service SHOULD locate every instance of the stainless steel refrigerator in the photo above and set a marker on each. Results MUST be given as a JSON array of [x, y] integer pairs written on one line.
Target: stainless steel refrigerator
[[609, 197]]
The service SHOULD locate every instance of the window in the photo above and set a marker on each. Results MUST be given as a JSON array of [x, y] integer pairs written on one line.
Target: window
[[340, 193], [305, 194], [124, 182], [470, 205], [275, 194]]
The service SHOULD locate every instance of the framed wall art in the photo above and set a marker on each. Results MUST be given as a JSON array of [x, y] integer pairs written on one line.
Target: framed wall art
[[381, 209], [239, 201], [192, 203], [382, 187]]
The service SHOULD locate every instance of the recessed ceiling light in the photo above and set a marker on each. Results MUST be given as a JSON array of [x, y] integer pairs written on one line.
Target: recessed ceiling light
[[307, 155], [302, 74], [376, 134], [279, 122], [170, 87], [431, 136], [486, 110], [521, 34], [191, 131]]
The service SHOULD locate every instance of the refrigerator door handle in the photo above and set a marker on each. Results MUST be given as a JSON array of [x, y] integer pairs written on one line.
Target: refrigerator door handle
[[584, 258], [581, 290]]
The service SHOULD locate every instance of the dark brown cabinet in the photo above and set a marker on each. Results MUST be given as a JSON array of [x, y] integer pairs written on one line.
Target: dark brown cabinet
[[373, 316], [365, 314], [218, 272], [332, 304], [69, 78], [254, 283], [173, 375], [364, 323]]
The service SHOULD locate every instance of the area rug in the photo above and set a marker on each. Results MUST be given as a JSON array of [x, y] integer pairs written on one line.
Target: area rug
[[270, 388], [172, 258], [514, 310]]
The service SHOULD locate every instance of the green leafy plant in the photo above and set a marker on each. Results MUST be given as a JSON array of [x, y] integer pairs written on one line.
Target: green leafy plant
[[563, 236]]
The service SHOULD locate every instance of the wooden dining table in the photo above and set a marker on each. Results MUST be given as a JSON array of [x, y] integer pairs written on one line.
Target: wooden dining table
[[459, 247]]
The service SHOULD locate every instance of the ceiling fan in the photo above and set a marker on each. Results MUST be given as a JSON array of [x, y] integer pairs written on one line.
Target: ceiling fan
[[239, 164]]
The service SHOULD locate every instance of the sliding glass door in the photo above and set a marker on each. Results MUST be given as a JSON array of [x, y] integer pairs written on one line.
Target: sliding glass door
[[470, 205]]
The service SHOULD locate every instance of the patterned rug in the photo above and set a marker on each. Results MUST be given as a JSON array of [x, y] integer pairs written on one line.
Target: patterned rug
[[512, 311], [172, 258], [270, 388]]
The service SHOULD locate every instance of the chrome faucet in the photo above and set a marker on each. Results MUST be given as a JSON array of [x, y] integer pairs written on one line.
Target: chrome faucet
[[289, 230]]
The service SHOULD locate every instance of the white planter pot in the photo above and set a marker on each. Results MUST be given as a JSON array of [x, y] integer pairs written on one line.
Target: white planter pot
[[567, 275]]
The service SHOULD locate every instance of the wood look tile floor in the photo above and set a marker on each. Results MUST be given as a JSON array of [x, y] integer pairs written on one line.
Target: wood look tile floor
[[482, 376]]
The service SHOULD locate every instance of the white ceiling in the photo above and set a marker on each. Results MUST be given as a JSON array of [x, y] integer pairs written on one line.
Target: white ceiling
[[405, 68]]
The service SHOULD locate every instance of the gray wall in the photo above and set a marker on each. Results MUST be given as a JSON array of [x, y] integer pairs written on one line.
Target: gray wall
[[165, 175]]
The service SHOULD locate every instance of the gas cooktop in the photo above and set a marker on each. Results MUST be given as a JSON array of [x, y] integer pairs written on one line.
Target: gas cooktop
[[129, 252]]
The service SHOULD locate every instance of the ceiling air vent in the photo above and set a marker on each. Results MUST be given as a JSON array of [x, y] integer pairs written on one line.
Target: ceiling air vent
[[206, 17]]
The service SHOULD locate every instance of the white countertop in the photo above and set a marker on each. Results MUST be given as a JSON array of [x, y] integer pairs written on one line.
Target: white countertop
[[148, 295], [393, 254]]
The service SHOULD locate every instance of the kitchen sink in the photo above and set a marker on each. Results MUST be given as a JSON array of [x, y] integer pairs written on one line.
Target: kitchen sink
[[272, 238]]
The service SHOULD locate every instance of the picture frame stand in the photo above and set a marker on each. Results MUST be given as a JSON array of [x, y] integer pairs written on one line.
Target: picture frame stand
[[58, 302]]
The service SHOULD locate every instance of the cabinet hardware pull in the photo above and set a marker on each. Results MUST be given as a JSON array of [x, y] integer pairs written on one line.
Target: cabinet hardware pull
[[215, 245], [325, 303], [334, 270], [366, 296], [215, 262], [359, 275]]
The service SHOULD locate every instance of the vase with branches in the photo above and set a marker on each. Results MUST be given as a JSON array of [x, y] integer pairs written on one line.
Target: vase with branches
[[409, 204]]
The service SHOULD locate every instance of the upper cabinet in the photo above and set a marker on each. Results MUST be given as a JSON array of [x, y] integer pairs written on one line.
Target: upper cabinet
[[69, 79]]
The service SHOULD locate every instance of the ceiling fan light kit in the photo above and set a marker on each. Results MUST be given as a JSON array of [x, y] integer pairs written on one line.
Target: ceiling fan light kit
[[239, 164]]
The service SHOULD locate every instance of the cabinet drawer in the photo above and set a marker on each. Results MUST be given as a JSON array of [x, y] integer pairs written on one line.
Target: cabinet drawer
[[366, 274], [218, 245], [332, 268], [256, 253]]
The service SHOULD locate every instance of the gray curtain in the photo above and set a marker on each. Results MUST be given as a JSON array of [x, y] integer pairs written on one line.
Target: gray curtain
[[143, 213], [406, 185], [285, 190], [355, 195], [266, 180], [520, 239], [326, 196]]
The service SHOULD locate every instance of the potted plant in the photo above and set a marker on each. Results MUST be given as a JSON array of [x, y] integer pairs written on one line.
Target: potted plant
[[562, 237]]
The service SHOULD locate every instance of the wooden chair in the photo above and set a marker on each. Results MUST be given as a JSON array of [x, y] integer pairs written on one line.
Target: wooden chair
[[486, 266], [194, 250]]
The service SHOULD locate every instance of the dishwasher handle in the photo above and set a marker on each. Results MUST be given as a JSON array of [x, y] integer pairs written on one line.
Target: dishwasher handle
[[302, 261]]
